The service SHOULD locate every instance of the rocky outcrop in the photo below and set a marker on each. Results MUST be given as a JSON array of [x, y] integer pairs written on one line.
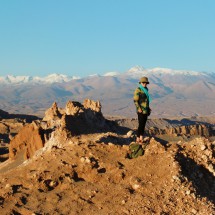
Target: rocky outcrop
[[94, 106], [9, 128], [187, 127], [93, 113], [52, 113], [73, 120], [76, 119], [74, 108], [199, 129], [28, 140], [11, 124]]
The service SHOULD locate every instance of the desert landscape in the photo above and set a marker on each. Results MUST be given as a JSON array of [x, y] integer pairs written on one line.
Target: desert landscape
[[78, 79], [74, 160]]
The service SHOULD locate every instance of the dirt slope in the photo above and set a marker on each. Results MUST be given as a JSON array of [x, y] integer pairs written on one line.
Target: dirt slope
[[81, 167], [88, 174]]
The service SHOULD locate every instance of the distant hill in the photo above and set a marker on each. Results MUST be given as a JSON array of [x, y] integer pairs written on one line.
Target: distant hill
[[174, 92]]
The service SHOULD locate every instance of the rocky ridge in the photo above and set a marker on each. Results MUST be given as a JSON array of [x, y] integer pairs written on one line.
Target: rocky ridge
[[76, 163], [181, 127], [75, 119]]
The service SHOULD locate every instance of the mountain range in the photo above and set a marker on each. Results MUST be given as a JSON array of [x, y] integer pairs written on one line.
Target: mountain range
[[175, 93]]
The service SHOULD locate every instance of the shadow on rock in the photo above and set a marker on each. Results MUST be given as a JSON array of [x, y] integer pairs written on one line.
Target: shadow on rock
[[161, 141], [4, 150], [5, 137], [115, 140], [201, 178]]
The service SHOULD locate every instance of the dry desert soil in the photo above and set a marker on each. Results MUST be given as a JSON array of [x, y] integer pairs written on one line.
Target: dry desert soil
[[82, 171]]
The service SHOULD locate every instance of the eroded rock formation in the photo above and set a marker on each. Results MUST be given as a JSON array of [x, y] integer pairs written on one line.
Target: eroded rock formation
[[11, 124], [74, 108], [52, 113], [199, 129], [95, 106], [28, 140], [9, 128], [74, 119], [187, 127]]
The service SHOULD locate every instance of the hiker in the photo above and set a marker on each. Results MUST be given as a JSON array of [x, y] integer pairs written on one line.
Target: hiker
[[141, 101]]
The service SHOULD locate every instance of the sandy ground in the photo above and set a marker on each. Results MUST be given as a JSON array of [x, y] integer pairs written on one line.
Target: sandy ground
[[90, 174]]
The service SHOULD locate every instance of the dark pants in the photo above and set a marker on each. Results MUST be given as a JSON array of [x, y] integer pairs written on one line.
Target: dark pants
[[142, 118]]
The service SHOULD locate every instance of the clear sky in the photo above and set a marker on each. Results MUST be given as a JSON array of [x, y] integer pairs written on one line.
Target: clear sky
[[82, 37]]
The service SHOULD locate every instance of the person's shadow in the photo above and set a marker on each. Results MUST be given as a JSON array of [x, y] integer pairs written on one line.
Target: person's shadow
[[201, 178]]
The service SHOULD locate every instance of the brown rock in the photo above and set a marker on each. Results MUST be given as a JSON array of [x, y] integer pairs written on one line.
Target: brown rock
[[52, 113], [27, 141], [198, 129], [90, 104], [73, 108], [74, 120], [4, 129]]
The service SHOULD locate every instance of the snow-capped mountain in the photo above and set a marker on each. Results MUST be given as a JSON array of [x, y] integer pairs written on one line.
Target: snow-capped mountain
[[135, 71], [173, 92], [52, 78], [111, 74]]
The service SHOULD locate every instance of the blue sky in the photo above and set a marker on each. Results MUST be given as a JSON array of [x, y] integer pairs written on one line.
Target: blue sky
[[82, 37]]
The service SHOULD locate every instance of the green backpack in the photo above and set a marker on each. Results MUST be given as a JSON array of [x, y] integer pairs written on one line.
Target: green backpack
[[135, 150]]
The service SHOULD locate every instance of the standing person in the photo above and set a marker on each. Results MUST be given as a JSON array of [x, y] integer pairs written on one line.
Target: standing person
[[141, 101]]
